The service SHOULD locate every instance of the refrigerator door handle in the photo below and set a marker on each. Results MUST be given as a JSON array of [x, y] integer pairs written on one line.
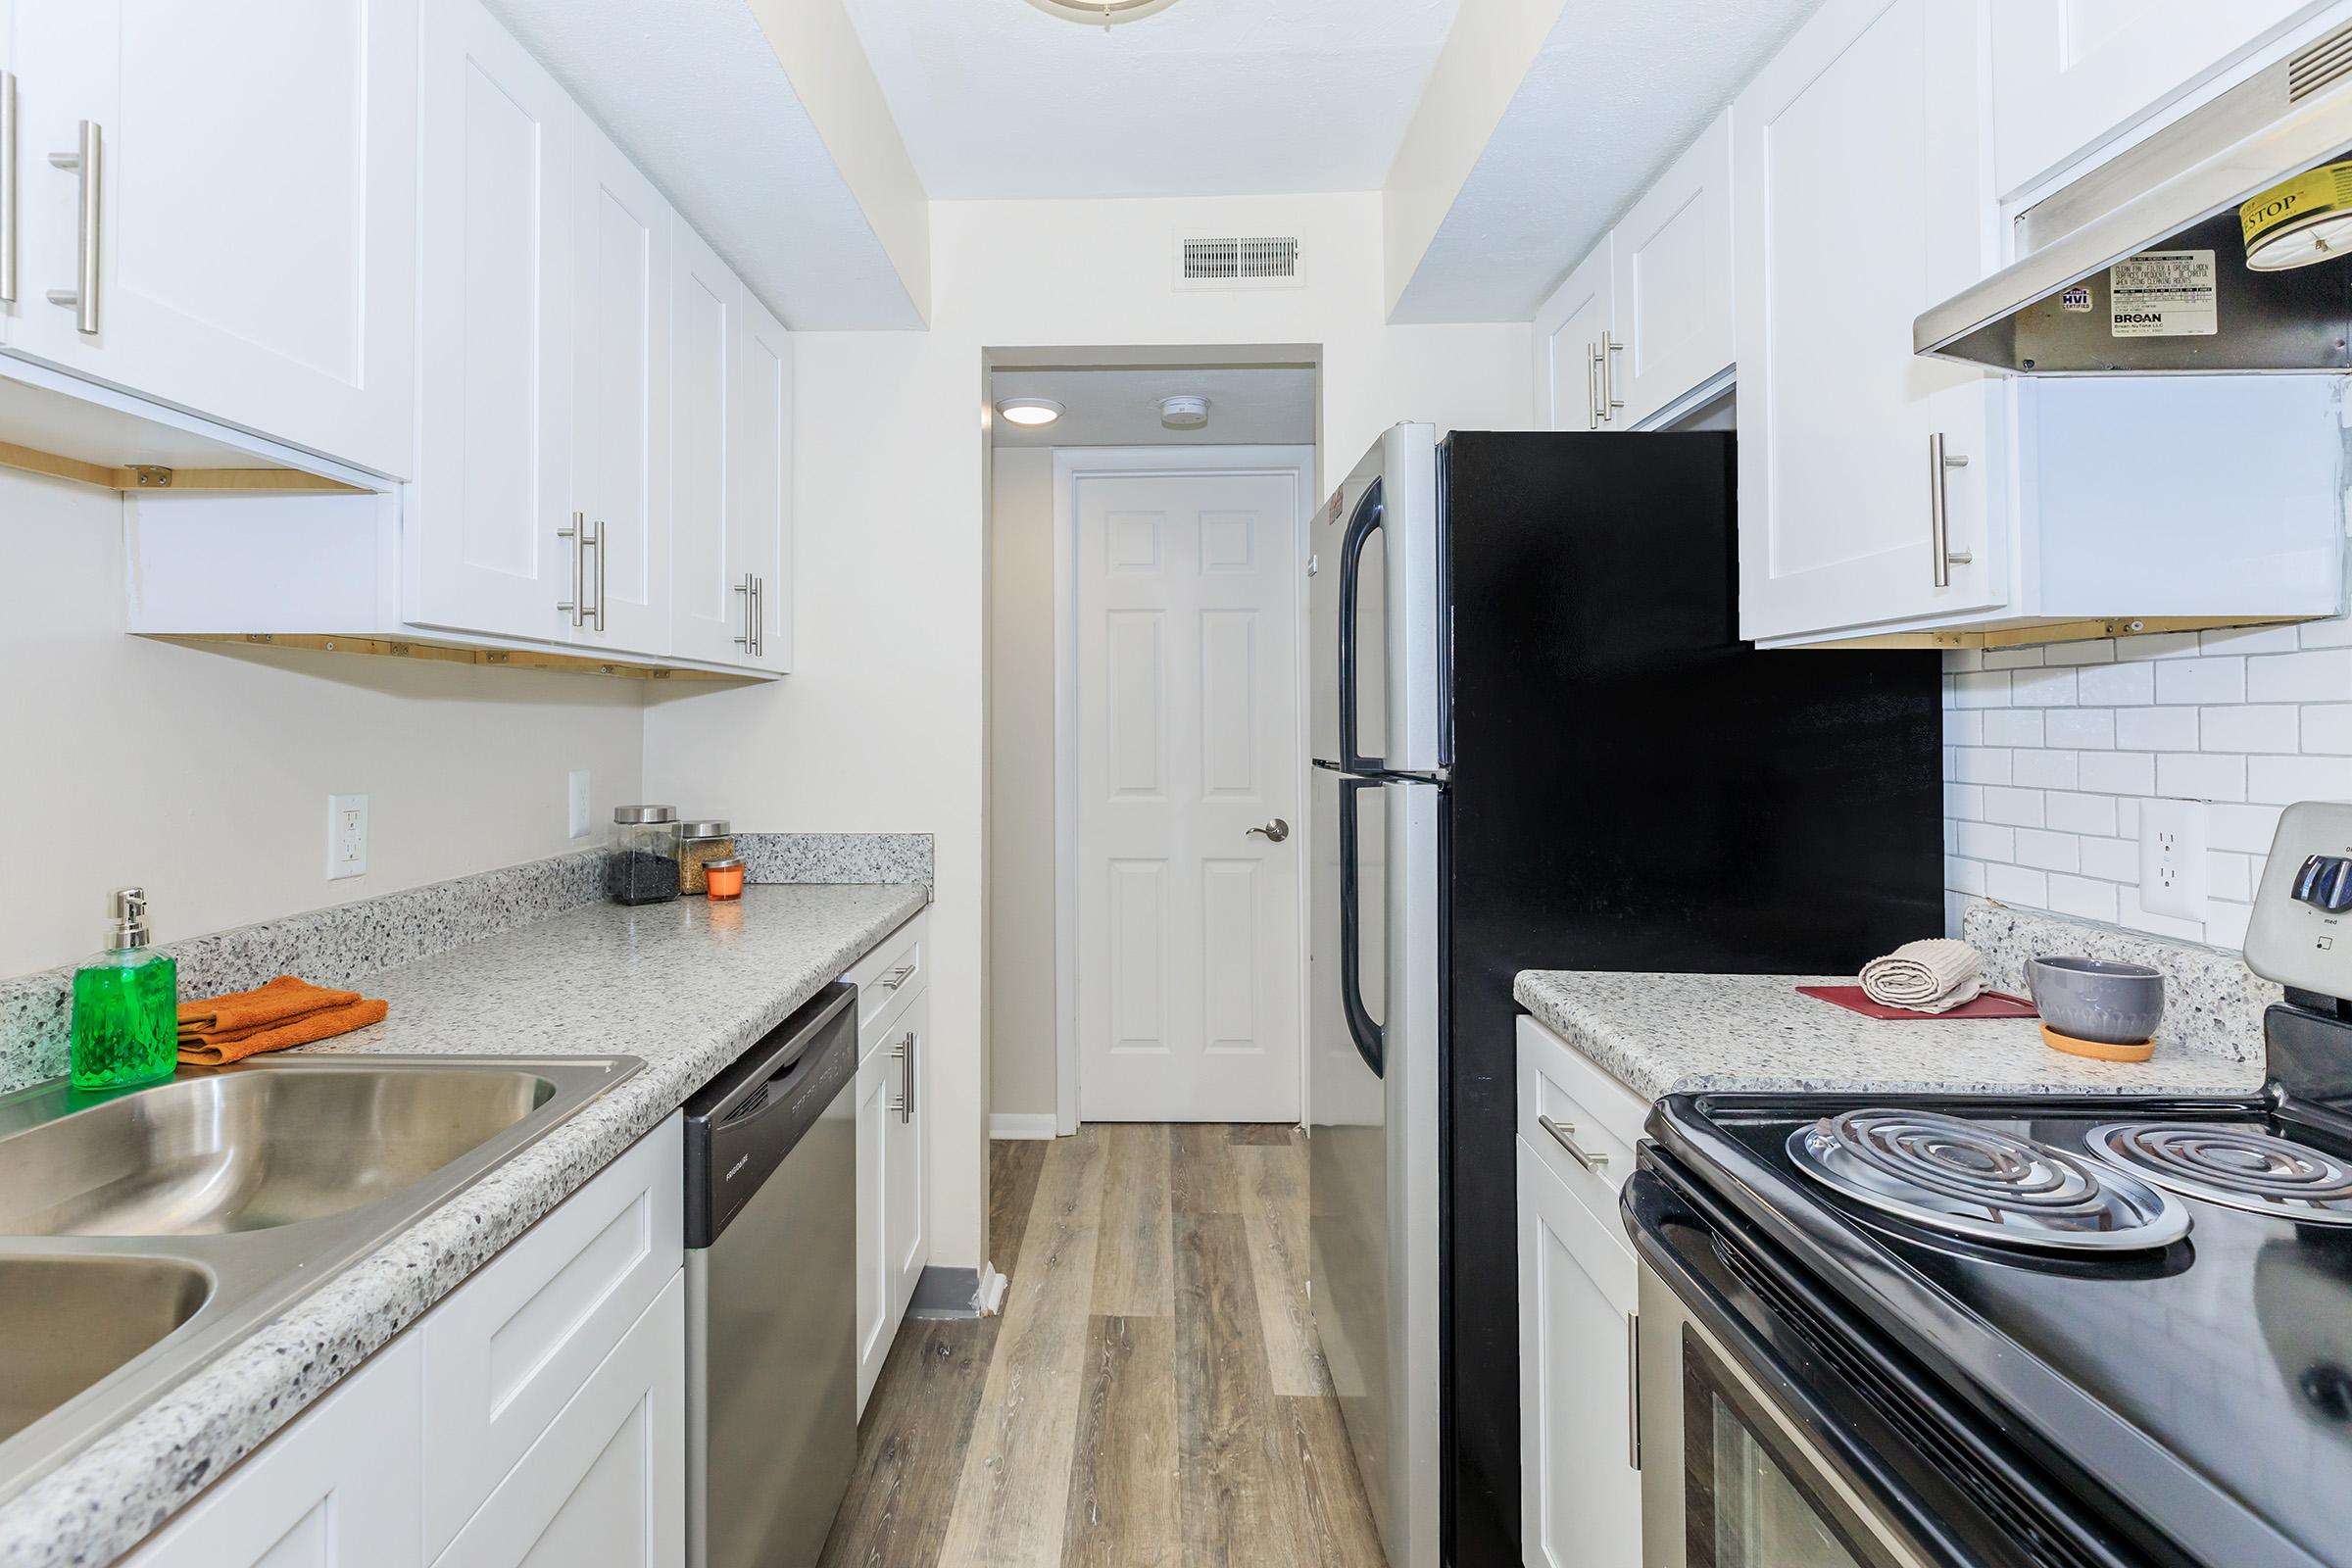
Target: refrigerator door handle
[[1370, 513], [1362, 1028]]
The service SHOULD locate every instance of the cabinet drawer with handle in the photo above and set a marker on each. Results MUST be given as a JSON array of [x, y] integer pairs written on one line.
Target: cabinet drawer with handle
[[1580, 1121], [887, 979]]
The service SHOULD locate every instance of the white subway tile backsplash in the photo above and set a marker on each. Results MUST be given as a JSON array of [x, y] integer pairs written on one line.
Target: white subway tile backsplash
[[2284, 780], [2041, 769], [1956, 660], [2051, 757], [2121, 685], [2321, 676], [2051, 852], [2004, 727], [2117, 772], [2079, 813], [2082, 729], [2156, 729], [2201, 776], [2044, 688], [2248, 728], [2214, 678]]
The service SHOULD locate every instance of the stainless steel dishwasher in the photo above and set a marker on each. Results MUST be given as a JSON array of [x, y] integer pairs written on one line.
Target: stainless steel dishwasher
[[771, 1293]]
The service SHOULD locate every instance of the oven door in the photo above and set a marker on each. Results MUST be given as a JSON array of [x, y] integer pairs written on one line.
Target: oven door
[[1778, 1432]]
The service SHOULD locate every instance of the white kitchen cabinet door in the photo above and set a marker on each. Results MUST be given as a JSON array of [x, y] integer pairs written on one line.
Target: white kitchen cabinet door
[[488, 519], [906, 1234], [1568, 334], [337, 1488], [2069, 74], [606, 1482], [877, 1087], [1671, 264], [759, 505], [255, 217], [620, 393], [12, 298], [1859, 201], [711, 601], [1580, 1483]]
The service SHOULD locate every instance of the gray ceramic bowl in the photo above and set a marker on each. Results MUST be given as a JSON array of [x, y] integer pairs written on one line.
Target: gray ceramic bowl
[[2092, 999]]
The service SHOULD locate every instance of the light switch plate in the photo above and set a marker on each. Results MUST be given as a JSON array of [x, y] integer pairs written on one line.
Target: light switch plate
[[346, 836], [2174, 878], [578, 812]]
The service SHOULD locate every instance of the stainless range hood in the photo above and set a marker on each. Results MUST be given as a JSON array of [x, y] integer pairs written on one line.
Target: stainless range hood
[[2168, 212]]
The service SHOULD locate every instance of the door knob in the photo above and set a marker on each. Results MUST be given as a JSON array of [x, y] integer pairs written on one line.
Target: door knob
[[1275, 831]]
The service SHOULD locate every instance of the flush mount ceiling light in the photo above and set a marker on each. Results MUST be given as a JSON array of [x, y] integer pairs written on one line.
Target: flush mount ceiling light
[[1184, 411], [1030, 411], [1105, 14]]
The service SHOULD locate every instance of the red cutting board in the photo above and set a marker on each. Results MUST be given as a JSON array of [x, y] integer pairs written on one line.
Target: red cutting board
[[1990, 1005]]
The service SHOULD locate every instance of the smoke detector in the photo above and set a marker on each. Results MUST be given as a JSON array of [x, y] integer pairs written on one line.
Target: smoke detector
[[1106, 14], [1186, 411]]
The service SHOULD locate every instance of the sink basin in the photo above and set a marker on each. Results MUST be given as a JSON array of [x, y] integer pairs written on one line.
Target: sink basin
[[245, 1151], [67, 1322]]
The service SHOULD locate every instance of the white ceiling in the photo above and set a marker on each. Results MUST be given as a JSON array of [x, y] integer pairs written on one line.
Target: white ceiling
[[1620, 88], [1120, 408], [996, 99]]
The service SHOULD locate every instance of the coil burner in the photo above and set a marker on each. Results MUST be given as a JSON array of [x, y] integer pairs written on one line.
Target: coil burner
[[1968, 1179], [2237, 1168]]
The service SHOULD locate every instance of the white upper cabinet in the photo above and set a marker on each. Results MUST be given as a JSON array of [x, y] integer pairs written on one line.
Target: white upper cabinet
[[1671, 264], [240, 242], [1569, 329], [2068, 75], [711, 601], [759, 508], [1860, 202], [621, 429], [490, 517], [1645, 319]]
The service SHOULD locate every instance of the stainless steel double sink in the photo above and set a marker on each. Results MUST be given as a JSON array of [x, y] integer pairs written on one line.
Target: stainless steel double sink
[[144, 1232]]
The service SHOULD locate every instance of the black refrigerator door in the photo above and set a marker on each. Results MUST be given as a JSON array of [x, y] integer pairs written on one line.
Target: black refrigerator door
[[1634, 789]]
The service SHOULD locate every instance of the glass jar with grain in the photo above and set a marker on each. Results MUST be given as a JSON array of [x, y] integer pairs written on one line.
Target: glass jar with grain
[[705, 841], [642, 865]]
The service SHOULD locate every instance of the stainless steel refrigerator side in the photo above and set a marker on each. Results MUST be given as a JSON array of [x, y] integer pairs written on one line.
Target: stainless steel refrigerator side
[[1410, 1033], [1373, 614], [1413, 699]]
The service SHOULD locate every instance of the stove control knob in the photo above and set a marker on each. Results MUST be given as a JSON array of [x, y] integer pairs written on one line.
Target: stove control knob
[[2325, 882]]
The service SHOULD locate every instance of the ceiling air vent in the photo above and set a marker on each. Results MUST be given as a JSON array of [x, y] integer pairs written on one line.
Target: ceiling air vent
[[1229, 261]]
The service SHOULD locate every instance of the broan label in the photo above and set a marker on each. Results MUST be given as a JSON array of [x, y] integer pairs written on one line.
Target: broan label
[[2163, 294]]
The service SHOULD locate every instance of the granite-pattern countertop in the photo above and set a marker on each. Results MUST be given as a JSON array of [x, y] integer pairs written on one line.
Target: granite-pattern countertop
[[1665, 1034], [686, 986]]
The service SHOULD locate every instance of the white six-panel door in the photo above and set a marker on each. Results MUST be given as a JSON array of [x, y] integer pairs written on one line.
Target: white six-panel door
[[1187, 698]]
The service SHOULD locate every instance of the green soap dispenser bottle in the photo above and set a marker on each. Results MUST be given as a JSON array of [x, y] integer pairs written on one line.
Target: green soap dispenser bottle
[[125, 1005]]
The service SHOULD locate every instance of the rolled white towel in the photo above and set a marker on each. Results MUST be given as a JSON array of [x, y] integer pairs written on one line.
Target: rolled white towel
[[1934, 975]]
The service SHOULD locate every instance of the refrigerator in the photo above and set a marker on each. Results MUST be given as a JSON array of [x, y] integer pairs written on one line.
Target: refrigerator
[[1538, 743]]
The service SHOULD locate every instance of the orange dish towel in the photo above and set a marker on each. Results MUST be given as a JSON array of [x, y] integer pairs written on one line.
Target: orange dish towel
[[286, 1011]]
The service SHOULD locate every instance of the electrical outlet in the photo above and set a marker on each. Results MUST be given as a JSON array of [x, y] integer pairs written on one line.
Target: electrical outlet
[[577, 815], [346, 836], [2173, 872]]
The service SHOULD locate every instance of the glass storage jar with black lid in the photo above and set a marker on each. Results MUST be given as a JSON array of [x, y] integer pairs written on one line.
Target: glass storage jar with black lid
[[705, 841], [641, 866]]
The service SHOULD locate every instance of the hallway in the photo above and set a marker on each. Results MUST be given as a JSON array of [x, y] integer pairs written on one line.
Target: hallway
[[1152, 1394]]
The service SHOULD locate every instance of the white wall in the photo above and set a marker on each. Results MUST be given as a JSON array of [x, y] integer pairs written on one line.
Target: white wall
[[203, 774], [880, 727], [1020, 782]]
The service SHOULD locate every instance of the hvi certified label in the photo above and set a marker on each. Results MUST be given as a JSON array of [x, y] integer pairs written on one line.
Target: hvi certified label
[[2076, 300], [2163, 294]]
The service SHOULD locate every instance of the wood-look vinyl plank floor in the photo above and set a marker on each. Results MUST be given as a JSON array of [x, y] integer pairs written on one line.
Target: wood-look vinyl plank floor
[[1152, 1395]]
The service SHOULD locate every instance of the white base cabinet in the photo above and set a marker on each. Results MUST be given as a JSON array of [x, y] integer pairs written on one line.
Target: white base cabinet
[[894, 1238], [1579, 1480], [536, 1417]]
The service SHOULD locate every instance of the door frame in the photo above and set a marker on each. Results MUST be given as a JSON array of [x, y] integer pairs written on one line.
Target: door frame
[[1070, 465]]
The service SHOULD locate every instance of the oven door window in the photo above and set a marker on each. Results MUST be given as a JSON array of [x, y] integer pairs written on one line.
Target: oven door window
[[1752, 1498]]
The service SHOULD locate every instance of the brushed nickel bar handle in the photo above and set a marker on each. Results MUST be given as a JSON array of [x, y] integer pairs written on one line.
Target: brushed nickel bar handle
[[572, 606], [596, 541], [903, 1053], [1592, 386], [1564, 1135], [1610, 401], [8, 187], [86, 165], [759, 617], [744, 588], [1939, 523]]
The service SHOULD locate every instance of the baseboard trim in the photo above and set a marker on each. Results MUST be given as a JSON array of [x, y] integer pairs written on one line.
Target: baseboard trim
[[1023, 1124], [945, 1294]]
